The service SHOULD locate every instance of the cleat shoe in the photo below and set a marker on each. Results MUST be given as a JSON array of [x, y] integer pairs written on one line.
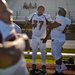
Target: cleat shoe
[[44, 69], [33, 67], [32, 71], [36, 72]]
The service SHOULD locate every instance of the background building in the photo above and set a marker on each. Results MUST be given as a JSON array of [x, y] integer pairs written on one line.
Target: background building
[[23, 8]]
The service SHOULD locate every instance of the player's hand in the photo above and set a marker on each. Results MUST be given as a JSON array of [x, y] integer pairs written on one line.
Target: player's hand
[[64, 32], [48, 26], [44, 40], [29, 23], [34, 25]]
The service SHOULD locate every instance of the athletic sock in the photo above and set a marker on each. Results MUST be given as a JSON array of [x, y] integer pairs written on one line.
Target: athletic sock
[[34, 56], [58, 68], [43, 56], [63, 67]]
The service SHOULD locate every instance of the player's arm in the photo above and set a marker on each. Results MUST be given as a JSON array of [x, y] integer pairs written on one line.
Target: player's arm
[[58, 22], [45, 39], [48, 30], [29, 23], [50, 26], [66, 28], [53, 25]]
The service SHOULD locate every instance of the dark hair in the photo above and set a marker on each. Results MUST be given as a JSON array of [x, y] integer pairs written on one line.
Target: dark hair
[[41, 6], [62, 11]]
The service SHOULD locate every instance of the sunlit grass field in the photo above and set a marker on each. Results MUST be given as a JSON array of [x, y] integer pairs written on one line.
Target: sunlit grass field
[[50, 59]]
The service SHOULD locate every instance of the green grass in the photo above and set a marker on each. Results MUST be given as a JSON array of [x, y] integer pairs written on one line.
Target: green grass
[[49, 59], [40, 61], [63, 51]]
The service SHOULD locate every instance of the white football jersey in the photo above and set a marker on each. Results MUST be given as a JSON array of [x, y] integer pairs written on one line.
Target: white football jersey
[[6, 30], [69, 21], [56, 33], [40, 20]]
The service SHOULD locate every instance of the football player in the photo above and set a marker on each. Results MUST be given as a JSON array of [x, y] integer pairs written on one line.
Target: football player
[[39, 21], [11, 48], [58, 29]]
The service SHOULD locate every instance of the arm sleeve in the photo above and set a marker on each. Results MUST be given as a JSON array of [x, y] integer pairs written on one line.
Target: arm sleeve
[[69, 22], [30, 16], [59, 19], [48, 17], [62, 21]]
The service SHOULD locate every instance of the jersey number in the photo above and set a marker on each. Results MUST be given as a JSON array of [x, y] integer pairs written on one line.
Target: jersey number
[[41, 23]]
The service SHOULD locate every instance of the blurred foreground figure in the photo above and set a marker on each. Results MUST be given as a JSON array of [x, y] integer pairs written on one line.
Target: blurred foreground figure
[[11, 44], [17, 28]]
